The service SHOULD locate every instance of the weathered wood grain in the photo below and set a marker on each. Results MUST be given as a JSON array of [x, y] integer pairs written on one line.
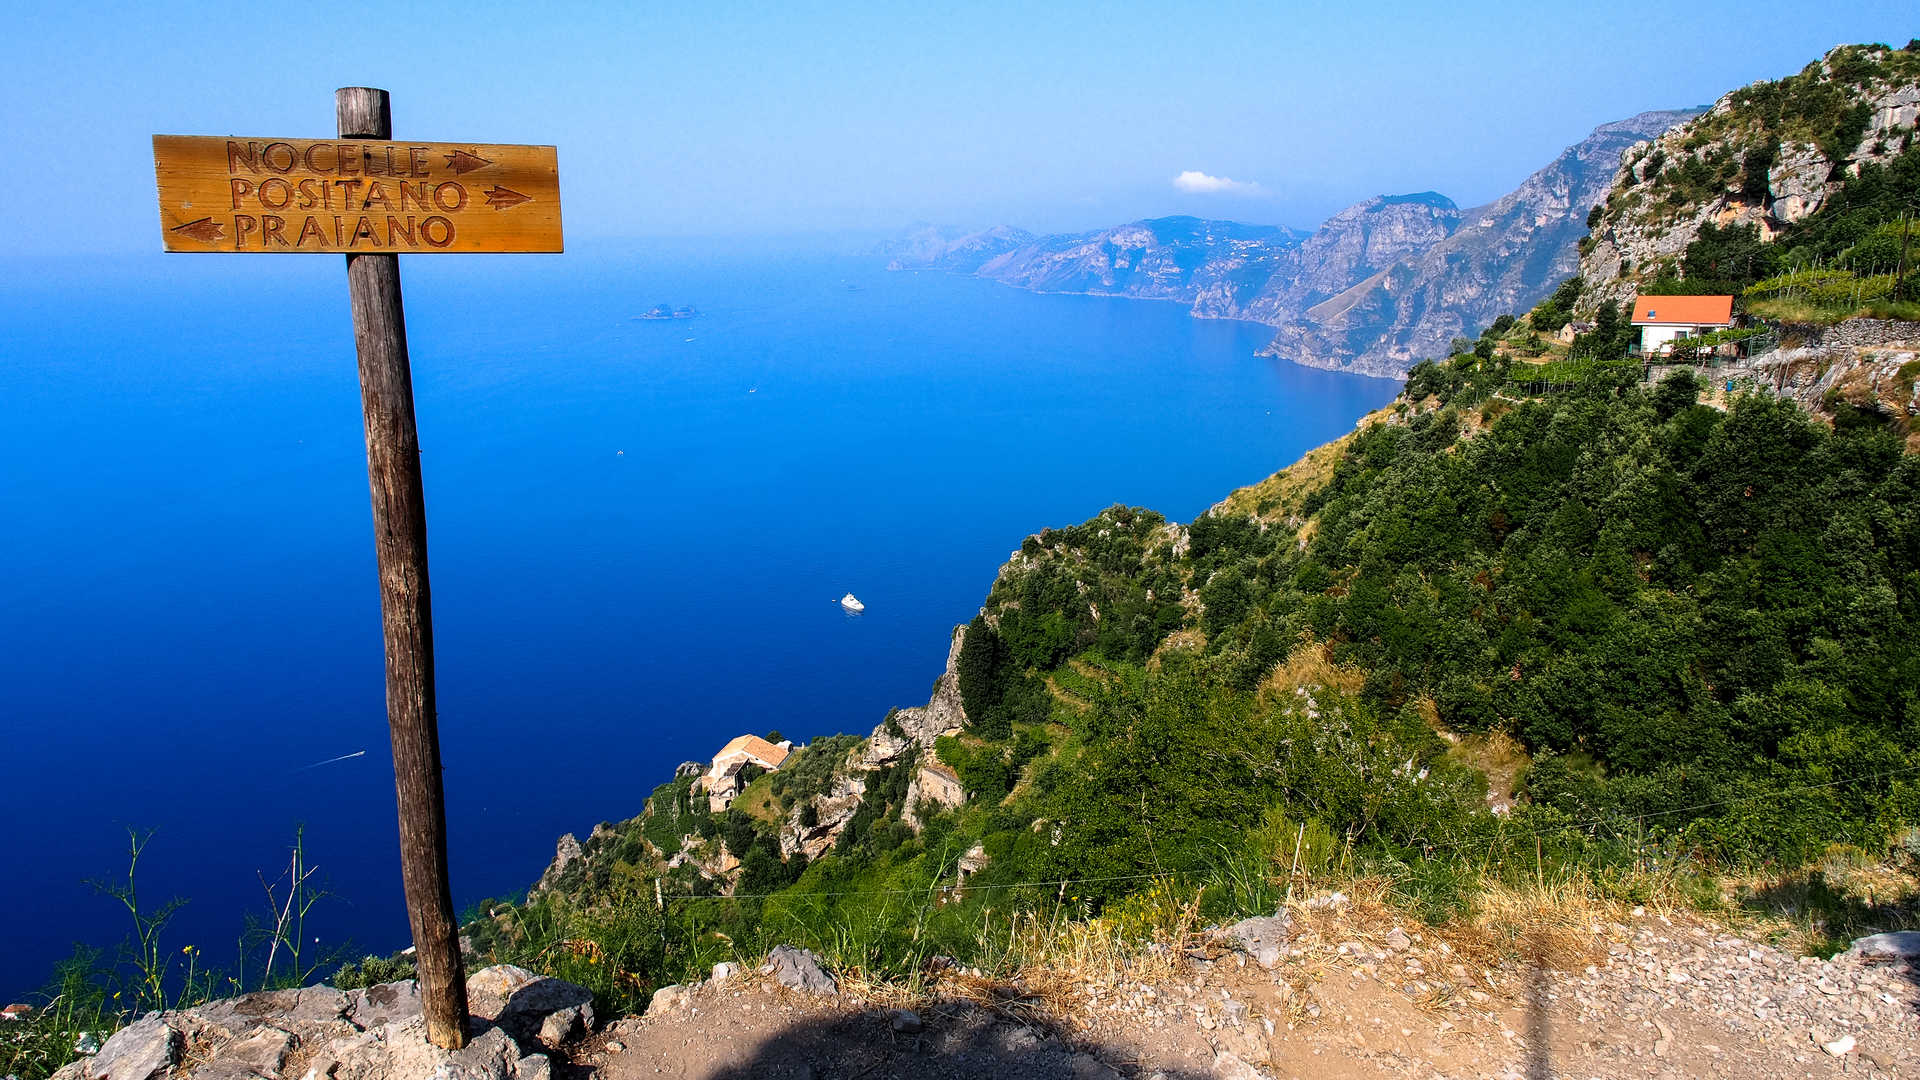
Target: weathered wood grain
[[316, 196], [400, 541]]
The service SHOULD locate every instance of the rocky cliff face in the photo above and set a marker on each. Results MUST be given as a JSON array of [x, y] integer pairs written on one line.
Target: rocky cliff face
[[1376, 288], [1502, 257], [1767, 155], [810, 826], [904, 733]]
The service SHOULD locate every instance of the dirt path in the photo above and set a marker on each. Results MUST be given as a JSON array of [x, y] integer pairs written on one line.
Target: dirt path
[[1659, 1000]]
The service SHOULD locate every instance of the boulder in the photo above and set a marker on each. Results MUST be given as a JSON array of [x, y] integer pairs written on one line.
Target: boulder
[[1264, 938], [377, 1033], [798, 969], [375, 1005], [307, 1006], [531, 1007], [670, 999], [1898, 945], [145, 1048], [260, 1054]]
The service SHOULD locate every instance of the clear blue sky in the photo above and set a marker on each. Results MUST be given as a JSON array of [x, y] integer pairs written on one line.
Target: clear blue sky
[[717, 118]]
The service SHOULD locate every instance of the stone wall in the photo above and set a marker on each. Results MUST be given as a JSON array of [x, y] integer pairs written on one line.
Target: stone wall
[[1853, 333]]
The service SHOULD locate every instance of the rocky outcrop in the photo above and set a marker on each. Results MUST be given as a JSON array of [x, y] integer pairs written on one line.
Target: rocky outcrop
[[812, 826], [517, 1022], [917, 727], [1648, 222], [1503, 257], [831, 811], [564, 853], [1877, 379]]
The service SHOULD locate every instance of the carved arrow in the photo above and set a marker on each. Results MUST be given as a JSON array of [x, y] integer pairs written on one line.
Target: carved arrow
[[464, 163], [501, 198], [206, 230]]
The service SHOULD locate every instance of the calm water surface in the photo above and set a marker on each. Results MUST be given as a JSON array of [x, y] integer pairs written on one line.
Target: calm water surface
[[639, 534]]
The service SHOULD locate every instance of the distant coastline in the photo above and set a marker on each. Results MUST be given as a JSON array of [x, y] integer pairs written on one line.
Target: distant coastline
[[666, 311]]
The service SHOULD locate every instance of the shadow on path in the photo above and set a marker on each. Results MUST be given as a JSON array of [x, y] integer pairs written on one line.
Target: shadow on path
[[1539, 1026], [959, 1039]]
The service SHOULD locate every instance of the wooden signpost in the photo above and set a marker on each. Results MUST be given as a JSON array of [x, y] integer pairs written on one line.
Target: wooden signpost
[[338, 196], [371, 198]]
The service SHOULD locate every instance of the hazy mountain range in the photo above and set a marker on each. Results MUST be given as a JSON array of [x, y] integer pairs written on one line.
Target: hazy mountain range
[[1373, 290]]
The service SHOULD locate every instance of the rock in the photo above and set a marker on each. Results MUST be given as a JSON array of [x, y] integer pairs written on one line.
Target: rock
[[1228, 1065], [400, 1051], [1264, 938], [1398, 941], [529, 1006], [615, 1046], [670, 999], [724, 970], [375, 1005], [905, 729], [1840, 1046], [142, 1049], [907, 1022], [1899, 945], [261, 1052], [798, 969], [564, 853], [832, 812], [309, 1005]]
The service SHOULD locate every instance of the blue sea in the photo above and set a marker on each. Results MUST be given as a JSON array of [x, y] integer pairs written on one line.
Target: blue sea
[[640, 531]]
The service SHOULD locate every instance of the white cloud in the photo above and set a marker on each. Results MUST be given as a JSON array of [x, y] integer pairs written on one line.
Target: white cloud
[[1195, 182]]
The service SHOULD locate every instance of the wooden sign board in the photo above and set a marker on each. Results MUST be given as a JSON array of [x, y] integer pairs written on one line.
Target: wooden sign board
[[355, 196]]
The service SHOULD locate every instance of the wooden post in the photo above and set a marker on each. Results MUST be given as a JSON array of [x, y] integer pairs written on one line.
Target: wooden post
[[400, 541]]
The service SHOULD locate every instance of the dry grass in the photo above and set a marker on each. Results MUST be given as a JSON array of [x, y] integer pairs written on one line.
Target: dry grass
[[1848, 893], [1561, 924], [1279, 497], [1311, 666], [1144, 939], [1558, 924], [1190, 640], [1497, 754], [757, 801]]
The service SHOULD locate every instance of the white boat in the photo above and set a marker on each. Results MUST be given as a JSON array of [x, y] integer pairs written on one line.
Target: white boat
[[852, 603]]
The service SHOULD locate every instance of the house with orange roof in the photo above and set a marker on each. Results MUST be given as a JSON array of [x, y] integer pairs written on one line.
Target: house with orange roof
[[1664, 320], [723, 782]]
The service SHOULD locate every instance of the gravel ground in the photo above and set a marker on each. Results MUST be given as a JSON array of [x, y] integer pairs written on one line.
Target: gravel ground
[[1660, 999]]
